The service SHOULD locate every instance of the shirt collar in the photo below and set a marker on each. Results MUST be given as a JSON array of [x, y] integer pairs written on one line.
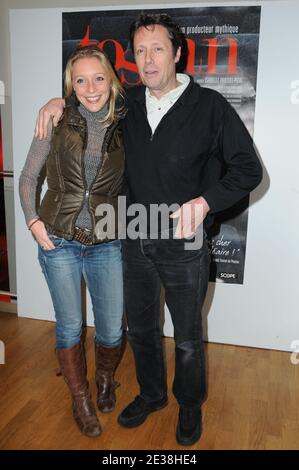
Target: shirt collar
[[173, 94]]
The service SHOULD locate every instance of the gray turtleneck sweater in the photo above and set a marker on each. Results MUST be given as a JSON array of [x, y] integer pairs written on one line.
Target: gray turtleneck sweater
[[37, 157]]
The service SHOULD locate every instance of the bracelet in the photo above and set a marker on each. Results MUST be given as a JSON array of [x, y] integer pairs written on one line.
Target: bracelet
[[36, 220]]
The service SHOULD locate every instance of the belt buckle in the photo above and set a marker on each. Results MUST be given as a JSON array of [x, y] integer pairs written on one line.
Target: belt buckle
[[83, 236]]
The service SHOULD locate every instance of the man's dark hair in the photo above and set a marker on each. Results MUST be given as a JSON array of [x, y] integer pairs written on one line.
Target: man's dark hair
[[146, 20]]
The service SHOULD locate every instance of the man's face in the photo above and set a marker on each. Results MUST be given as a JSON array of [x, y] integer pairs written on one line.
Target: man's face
[[155, 60]]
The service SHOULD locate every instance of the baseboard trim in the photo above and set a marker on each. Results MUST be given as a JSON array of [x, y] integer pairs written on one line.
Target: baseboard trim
[[9, 307]]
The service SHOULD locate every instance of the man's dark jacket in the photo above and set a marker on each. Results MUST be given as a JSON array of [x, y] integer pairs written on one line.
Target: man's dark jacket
[[200, 148]]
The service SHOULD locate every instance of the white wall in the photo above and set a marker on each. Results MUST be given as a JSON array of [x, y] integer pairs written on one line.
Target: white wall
[[36, 75], [263, 311]]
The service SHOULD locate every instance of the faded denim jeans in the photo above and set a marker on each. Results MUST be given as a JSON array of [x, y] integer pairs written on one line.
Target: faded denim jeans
[[101, 267]]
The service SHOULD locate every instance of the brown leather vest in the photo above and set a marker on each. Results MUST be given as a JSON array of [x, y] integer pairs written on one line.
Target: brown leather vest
[[66, 183]]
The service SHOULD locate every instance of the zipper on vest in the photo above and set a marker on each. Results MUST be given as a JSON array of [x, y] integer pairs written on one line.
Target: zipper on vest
[[83, 177], [104, 154]]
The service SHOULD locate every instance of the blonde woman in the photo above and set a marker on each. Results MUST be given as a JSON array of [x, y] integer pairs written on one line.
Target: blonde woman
[[85, 162]]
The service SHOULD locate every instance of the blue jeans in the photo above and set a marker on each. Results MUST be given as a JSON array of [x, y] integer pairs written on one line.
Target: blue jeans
[[149, 264], [101, 267]]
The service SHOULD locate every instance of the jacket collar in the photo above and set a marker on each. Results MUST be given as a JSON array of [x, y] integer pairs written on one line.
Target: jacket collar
[[72, 114]]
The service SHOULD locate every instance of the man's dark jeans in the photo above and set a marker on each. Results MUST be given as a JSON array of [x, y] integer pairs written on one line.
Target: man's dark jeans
[[148, 264]]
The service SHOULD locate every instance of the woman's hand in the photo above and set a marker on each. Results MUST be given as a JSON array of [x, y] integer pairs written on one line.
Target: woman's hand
[[40, 234], [53, 109]]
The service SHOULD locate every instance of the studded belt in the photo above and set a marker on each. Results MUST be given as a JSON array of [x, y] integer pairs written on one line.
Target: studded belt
[[83, 235]]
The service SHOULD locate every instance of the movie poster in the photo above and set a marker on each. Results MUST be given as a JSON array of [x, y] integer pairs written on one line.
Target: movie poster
[[223, 55]]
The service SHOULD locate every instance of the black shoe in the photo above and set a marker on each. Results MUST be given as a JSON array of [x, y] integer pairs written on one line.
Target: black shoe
[[189, 426], [137, 411]]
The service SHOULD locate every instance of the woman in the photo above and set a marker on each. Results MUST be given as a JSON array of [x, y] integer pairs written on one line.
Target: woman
[[85, 163]]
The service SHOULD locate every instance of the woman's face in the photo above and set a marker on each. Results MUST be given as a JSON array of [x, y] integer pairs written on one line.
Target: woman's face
[[91, 83]]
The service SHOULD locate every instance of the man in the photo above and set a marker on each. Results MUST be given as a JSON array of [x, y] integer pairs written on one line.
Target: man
[[184, 145]]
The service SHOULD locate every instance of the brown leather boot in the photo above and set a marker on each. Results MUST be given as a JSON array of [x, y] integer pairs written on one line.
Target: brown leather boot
[[73, 368], [107, 361]]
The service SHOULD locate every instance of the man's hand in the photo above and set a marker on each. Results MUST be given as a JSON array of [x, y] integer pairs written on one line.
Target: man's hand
[[53, 109], [190, 216], [40, 234]]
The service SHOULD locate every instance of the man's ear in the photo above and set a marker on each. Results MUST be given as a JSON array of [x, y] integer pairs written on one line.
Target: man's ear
[[177, 55]]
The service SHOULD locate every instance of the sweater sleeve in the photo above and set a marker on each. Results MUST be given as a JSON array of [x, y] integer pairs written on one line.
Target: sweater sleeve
[[35, 161], [242, 168]]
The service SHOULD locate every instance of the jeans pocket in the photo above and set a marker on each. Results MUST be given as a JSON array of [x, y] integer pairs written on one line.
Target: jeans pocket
[[57, 242]]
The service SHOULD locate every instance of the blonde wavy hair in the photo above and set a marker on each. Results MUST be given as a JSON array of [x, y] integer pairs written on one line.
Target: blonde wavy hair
[[116, 87]]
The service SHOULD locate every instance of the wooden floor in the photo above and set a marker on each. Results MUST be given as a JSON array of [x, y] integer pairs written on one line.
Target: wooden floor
[[252, 400]]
